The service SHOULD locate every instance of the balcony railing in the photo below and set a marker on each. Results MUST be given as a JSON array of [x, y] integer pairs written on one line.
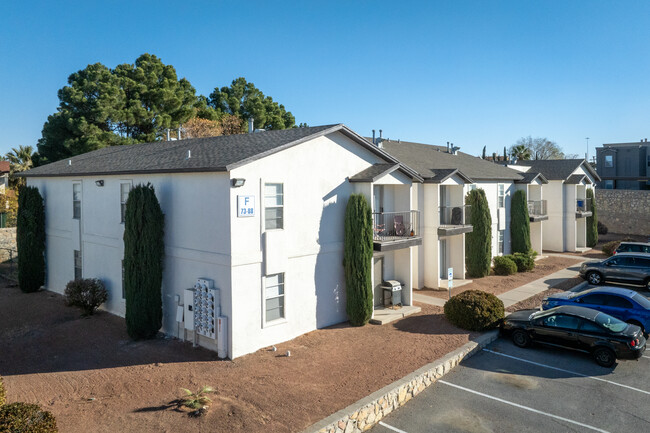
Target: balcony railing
[[537, 210], [455, 215], [583, 205], [393, 226]]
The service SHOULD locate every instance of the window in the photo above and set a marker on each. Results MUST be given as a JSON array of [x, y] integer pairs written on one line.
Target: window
[[273, 206], [595, 299], [618, 302], [609, 160], [648, 160], [501, 202], [589, 326], [562, 321], [609, 184], [472, 187], [76, 201], [274, 297], [501, 241], [125, 188], [77, 265]]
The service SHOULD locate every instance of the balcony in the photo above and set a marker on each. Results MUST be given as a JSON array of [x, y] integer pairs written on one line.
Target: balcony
[[454, 220], [583, 208], [396, 230], [537, 210]]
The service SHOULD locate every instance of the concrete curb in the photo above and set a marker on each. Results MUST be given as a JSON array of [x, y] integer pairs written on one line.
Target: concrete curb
[[368, 411]]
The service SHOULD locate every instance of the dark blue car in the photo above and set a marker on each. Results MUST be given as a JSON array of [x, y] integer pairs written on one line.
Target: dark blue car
[[624, 304]]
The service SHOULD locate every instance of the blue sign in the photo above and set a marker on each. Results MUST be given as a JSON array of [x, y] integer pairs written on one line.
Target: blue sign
[[245, 206]]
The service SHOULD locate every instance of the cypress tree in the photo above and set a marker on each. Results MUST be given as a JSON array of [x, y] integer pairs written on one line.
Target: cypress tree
[[592, 221], [519, 223], [478, 243], [144, 251], [30, 239], [357, 260]]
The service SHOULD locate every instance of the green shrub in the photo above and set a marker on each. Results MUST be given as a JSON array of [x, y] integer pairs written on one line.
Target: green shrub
[[26, 418], [504, 265], [602, 228], [478, 243], [144, 251], [525, 261], [592, 221], [3, 393], [519, 223], [30, 239], [86, 293], [357, 260], [474, 310], [610, 247]]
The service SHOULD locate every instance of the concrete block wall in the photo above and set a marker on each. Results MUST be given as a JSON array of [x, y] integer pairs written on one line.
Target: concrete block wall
[[624, 211], [7, 242]]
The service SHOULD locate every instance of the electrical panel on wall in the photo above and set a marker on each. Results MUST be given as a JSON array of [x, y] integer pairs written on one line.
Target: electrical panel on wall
[[206, 307]]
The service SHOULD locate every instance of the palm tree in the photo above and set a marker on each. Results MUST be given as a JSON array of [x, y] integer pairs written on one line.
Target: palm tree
[[20, 160], [520, 152]]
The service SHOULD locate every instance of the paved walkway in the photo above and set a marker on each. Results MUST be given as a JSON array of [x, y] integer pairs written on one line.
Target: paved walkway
[[520, 293]]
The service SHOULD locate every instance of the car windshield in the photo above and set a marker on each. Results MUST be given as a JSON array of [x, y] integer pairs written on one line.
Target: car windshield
[[610, 322], [641, 300]]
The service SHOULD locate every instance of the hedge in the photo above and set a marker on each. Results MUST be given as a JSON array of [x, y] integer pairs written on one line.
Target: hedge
[[504, 265], [26, 418], [474, 310], [478, 243], [525, 261], [357, 260], [30, 239], [3, 392], [519, 223], [592, 221]]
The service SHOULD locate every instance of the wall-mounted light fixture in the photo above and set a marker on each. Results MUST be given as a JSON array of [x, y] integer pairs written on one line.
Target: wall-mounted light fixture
[[237, 182], [99, 182]]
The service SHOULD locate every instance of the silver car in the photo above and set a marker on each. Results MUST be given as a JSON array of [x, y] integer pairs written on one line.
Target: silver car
[[633, 247], [631, 268]]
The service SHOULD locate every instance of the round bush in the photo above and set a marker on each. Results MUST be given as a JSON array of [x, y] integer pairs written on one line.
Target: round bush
[[602, 228], [610, 247], [504, 265], [474, 310], [3, 393], [26, 418], [525, 261], [86, 293]]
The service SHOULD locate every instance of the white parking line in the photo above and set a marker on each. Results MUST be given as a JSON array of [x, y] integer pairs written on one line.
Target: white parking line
[[568, 371], [523, 407], [390, 427], [646, 356]]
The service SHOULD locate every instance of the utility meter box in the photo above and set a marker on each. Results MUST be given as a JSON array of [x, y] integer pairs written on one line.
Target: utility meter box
[[206, 308], [188, 305]]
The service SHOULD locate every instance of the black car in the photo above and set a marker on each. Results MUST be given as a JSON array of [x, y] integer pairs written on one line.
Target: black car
[[577, 328]]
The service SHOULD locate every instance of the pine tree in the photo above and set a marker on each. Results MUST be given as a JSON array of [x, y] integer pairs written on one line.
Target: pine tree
[[357, 260], [144, 251], [478, 243], [30, 239], [592, 221], [519, 223]]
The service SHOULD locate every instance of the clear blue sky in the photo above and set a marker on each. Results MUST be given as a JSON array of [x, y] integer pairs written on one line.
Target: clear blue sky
[[472, 72]]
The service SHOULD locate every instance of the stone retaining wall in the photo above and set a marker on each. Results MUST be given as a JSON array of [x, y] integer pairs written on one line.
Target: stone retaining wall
[[624, 211], [365, 413], [7, 242]]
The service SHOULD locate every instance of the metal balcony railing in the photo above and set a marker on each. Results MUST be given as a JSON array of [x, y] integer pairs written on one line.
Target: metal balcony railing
[[391, 226], [583, 205], [455, 215], [537, 208]]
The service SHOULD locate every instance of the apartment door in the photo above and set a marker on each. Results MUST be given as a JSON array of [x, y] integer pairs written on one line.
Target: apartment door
[[442, 251], [378, 198], [378, 279]]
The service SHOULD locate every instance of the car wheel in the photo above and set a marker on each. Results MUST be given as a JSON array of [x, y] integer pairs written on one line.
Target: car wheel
[[604, 357], [594, 278], [521, 338]]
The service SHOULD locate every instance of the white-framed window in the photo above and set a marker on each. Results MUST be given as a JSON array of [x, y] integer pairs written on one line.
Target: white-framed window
[[609, 160], [273, 206], [76, 201], [274, 297], [501, 197], [125, 188], [609, 184], [472, 187], [501, 241], [78, 271]]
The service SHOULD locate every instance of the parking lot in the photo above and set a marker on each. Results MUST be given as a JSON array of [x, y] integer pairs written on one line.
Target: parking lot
[[504, 388]]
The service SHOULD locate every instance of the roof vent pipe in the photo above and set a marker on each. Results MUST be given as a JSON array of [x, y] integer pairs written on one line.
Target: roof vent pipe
[[447, 147], [189, 154], [380, 134], [179, 132], [168, 137], [374, 141], [251, 123]]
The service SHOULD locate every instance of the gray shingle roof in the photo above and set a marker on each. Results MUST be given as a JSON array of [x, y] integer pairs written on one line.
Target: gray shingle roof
[[374, 172], [576, 179], [211, 154], [428, 160], [557, 169], [530, 176], [445, 173]]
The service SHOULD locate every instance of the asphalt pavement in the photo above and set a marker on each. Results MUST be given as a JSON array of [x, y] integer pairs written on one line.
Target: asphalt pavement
[[509, 389]]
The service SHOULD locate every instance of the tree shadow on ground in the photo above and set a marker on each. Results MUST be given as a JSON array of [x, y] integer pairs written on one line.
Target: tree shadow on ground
[[430, 324]]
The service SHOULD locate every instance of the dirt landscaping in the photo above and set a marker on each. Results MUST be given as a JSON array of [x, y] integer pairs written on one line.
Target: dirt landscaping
[[497, 284], [93, 378]]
